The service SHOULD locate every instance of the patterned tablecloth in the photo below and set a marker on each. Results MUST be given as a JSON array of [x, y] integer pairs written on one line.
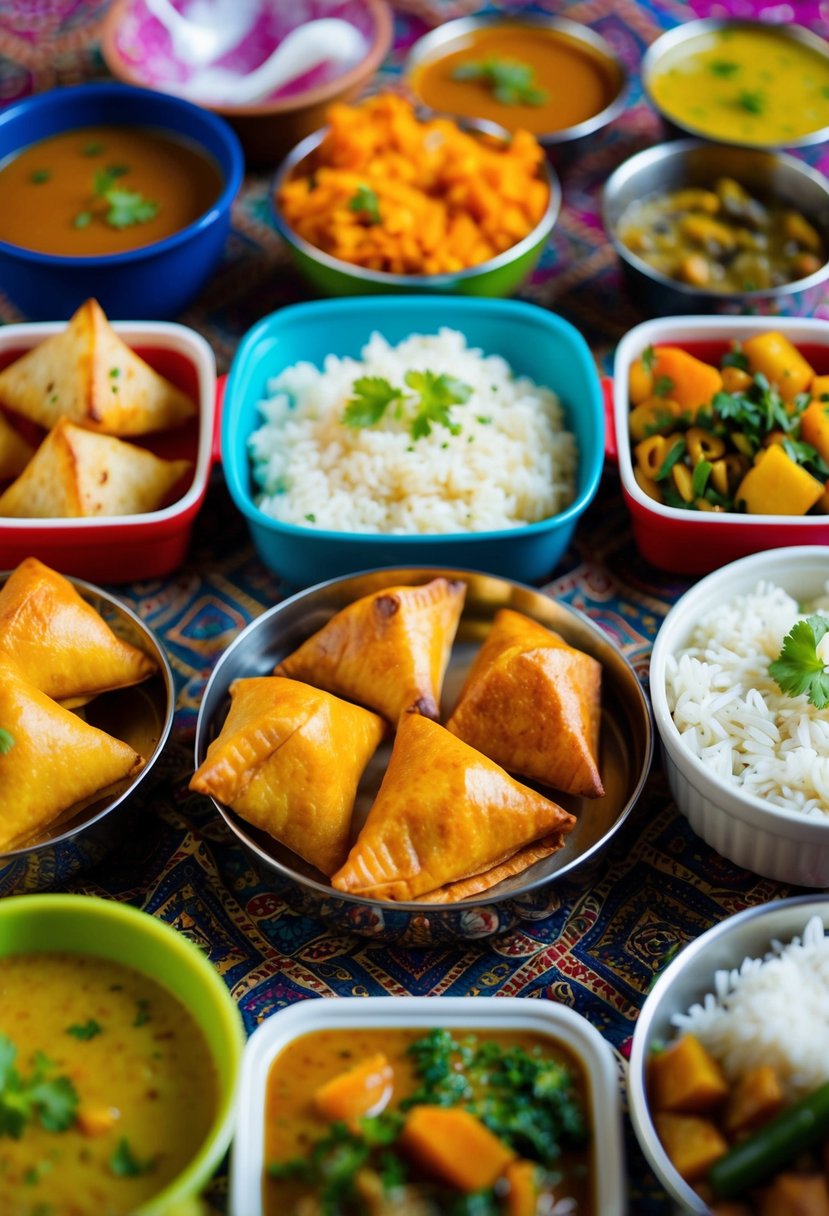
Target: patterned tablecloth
[[660, 886]]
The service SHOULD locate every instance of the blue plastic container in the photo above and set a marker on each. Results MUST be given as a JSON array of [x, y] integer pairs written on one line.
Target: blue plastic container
[[153, 282], [534, 342]]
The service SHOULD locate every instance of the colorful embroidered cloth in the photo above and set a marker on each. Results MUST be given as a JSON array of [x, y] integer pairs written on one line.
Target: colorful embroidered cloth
[[659, 886]]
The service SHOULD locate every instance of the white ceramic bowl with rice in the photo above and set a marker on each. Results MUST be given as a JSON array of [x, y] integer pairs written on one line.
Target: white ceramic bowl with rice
[[777, 1012], [747, 764]]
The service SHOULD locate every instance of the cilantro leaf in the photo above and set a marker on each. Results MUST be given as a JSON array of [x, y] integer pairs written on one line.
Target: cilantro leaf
[[663, 386], [371, 396], [125, 1164], [799, 669], [648, 357], [85, 1030], [366, 203], [699, 477], [6, 741], [735, 358], [752, 102], [52, 1100], [126, 208], [509, 80], [438, 393], [723, 68]]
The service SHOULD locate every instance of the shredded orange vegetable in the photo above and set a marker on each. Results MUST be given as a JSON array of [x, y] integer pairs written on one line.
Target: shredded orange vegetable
[[389, 192]]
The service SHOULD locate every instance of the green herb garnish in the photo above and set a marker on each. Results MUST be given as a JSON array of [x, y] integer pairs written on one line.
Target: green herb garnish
[[723, 68], [83, 219], [735, 358], [142, 1014], [663, 386], [366, 203], [799, 669], [124, 207], [125, 1164], [40, 176], [50, 1099], [85, 1030], [648, 358], [6, 741], [509, 80], [93, 149], [753, 103], [699, 477], [432, 398], [371, 396], [675, 453]]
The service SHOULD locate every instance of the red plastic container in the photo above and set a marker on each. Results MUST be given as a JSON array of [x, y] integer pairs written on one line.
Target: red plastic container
[[127, 548], [692, 542]]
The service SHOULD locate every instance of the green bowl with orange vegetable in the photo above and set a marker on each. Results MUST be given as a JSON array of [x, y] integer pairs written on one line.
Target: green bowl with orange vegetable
[[720, 429], [438, 220]]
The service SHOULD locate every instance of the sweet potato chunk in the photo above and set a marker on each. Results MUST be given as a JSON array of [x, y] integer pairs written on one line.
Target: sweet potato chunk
[[684, 1077], [522, 1196], [693, 1144], [362, 1090], [753, 1100], [796, 1195], [454, 1146]]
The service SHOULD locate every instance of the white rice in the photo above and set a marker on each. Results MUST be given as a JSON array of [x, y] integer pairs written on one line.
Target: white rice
[[733, 716], [512, 462], [771, 1011]]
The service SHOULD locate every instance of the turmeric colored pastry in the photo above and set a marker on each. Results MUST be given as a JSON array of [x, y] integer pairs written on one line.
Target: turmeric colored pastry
[[447, 822], [288, 759], [533, 704], [388, 650], [61, 644], [55, 762]]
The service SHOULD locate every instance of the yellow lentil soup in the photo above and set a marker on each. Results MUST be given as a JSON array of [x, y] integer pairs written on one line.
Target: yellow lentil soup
[[103, 190], [107, 1089], [744, 84]]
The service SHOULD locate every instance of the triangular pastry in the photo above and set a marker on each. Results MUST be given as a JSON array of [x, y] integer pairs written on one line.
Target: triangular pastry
[[15, 451], [87, 373], [56, 762], [388, 650], [289, 759], [60, 643], [532, 703], [76, 473], [443, 815]]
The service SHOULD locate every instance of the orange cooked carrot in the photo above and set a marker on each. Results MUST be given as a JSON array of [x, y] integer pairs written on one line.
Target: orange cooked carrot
[[452, 1145], [692, 382]]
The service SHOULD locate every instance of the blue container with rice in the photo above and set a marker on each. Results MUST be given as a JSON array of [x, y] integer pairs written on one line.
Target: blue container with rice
[[423, 431]]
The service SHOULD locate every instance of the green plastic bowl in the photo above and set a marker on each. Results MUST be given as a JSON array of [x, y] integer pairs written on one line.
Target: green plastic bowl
[[84, 924], [495, 278]]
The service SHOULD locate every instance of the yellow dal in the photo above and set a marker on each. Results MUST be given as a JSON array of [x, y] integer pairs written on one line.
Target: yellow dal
[[157, 1075], [715, 82]]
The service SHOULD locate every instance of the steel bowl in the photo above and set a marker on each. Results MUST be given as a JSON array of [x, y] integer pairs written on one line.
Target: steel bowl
[[683, 983], [141, 716], [765, 174], [626, 749]]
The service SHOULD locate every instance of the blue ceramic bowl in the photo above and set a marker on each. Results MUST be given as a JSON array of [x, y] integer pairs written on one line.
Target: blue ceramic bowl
[[534, 342], [152, 282]]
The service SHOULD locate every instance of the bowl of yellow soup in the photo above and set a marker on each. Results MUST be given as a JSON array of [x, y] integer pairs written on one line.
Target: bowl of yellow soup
[[741, 82], [554, 77], [121, 1045], [115, 192]]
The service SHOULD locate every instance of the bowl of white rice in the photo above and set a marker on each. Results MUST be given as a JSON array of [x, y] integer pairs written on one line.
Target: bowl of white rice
[[754, 989], [424, 430], [747, 757]]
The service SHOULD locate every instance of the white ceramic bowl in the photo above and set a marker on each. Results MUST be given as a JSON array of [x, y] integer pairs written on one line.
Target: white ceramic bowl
[[451, 1013], [684, 982], [770, 840]]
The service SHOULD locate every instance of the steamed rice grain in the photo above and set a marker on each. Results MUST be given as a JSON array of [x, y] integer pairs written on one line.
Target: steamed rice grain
[[511, 463]]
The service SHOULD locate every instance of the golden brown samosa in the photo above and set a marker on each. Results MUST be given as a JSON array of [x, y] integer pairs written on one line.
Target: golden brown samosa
[[76, 473], [54, 762], [61, 644], [289, 759], [447, 822], [532, 703], [87, 373], [388, 650]]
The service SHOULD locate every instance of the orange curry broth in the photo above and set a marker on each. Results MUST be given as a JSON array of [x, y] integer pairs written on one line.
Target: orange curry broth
[[47, 186], [292, 1124], [577, 80], [146, 1077]]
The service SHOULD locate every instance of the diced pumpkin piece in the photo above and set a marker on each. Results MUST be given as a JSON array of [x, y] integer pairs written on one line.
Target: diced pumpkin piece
[[780, 362], [692, 1143], [685, 1077], [753, 1100], [362, 1090], [814, 427], [522, 1196], [455, 1147], [96, 1120], [693, 383], [776, 485], [796, 1195]]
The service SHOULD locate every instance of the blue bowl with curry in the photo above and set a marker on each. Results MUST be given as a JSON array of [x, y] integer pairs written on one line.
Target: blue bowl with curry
[[115, 192]]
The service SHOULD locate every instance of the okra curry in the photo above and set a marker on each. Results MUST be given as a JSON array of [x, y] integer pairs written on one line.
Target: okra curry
[[107, 1089], [745, 429], [365, 1121]]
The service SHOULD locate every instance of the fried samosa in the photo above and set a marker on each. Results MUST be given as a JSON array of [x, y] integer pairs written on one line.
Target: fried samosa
[[388, 650], [59, 641], [289, 759], [15, 451], [447, 822], [53, 762], [532, 703], [87, 373], [76, 473]]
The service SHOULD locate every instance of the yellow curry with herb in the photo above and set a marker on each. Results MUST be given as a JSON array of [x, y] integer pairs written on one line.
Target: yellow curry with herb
[[365, 1122], [103, 190], [107, 1088]]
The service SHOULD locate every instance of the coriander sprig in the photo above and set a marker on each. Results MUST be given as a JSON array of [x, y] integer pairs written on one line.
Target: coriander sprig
[[50, 1099], [510, 81], [428, 403], [799, 668]]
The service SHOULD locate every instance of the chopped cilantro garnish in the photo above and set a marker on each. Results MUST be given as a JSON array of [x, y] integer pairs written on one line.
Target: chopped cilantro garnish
[[127, 208], [432, 396], [143, 1012], [125, 1164], [752, 102], [648, 357], [735, 358], [675, 453], [663, 386], [371, 396], [723, 68], [40, 176], [50, 1099], [93, 149], [311, 517], [509, 80], [6, 741], [85, 1030], [366, 203], [699, 478], [799, 668], [83, 219]]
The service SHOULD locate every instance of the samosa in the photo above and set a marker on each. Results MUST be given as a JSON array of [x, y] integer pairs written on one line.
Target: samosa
[[15, 451]]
